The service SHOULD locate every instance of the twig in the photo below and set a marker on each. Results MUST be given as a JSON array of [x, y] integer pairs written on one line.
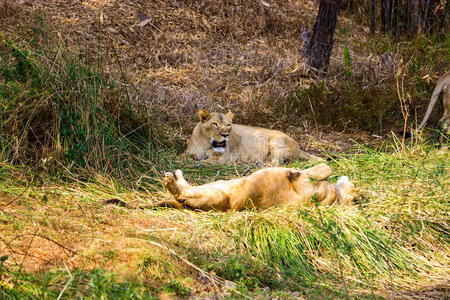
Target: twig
[[214, 279], [314, 114], [14, 199], [10, 248], [158, 229], [51, 240], [57, 243], [404, 107], [26, 251], [67, 284], [122, 72], [7, 244]]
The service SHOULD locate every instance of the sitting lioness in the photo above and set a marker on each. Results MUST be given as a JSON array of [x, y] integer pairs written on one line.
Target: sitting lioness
[[262, 189], [216, 140]]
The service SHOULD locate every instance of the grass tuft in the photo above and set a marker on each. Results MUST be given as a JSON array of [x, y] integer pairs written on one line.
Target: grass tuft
[[60, 112]]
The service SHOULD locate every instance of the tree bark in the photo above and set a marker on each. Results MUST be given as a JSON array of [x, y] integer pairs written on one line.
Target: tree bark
[[321, 42], [373, 16], [415, 17], [383, 15], [396, 20], [425, 15], [388, 14], [446, 22]]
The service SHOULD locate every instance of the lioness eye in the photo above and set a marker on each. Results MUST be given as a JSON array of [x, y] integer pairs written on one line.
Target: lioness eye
[[215, 124]]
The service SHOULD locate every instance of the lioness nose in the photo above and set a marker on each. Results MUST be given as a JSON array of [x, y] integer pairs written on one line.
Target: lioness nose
[[225, 134]]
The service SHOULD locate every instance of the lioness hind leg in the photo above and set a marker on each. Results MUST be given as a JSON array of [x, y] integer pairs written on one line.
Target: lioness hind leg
[[205, 198], [180, 179], [444, 122], [318, 172], [279, 151], [175, 182], [306, 156], [345, 190], [171, 184]]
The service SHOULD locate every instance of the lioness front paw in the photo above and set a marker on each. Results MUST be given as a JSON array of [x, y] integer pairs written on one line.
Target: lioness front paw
[[168, 177]]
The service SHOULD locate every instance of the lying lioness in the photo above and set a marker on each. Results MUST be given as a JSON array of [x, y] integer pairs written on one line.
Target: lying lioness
[[216, 140], [262, 189]]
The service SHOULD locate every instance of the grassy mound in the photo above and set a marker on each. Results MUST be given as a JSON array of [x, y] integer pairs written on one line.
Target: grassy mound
[[395, 243]]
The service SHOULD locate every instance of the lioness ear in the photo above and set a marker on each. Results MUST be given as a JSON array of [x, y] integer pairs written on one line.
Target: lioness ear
[[203, 115], [229, 115], [293, 175]]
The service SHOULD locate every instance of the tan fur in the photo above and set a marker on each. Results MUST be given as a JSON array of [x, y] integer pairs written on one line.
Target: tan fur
[[442, 87], [242, 143], [263, 189]]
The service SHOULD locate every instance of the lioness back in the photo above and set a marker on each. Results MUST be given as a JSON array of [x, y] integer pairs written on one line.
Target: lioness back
[[257, 143]]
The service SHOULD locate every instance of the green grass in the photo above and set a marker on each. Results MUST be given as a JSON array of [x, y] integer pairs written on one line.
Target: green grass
[[69, 140], [394, 241], [74, 284], [60, 112]]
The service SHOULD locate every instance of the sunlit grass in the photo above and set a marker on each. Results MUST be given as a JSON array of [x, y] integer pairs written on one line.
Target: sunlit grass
[[59, 241], [396, 239]]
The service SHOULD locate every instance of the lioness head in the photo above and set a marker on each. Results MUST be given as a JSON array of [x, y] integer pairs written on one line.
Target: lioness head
[[216, 127]]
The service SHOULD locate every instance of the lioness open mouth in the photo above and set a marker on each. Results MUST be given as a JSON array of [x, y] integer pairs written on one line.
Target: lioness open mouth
[[219, 146]]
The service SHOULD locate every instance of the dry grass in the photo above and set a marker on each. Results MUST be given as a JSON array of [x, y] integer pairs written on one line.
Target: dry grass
[[202, 54], [217, 55], [403, 215], [243, 56]]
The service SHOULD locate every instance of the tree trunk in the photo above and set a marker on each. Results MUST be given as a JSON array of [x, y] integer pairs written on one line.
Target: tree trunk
[[321, 42], [415, 17], [396, 20], [445, 21], [383, 15], [373, 16], [389, 4], [425, 14]]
